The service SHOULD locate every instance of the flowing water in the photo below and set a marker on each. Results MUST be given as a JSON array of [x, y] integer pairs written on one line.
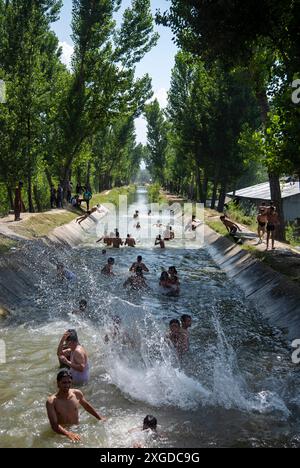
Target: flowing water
[[236, 387]]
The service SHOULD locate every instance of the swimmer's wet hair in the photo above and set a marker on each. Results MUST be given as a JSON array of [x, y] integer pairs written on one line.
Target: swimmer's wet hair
[[175, 321], [172, 268], [83, 302], [185, 317], [140, 258], [111, 261], [164, 276], [73, 337], [150, 422], [64, 373]]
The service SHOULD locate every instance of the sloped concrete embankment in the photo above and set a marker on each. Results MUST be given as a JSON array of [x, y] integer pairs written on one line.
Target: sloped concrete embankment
[[19, 277], [277, 298], [73, 234], [20, 269]]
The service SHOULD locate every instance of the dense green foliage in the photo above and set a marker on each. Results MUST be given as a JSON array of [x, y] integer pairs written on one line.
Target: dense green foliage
[[194, 147], [262, 40], [61, 124]]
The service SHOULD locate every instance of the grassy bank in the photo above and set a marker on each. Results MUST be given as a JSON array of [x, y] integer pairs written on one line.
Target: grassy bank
[[112, 196], [6, 244], [287, 266], [42, 224], [155, 194], [218, 227]]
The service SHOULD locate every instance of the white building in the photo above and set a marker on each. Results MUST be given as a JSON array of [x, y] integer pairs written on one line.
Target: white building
[[258, 193]]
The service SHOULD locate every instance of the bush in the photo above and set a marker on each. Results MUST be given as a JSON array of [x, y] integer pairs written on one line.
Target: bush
[[242, 214], [293, 233], [154, 194]]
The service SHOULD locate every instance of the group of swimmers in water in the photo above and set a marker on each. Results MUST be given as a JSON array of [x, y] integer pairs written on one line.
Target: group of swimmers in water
[[169, 281], [63, 407]]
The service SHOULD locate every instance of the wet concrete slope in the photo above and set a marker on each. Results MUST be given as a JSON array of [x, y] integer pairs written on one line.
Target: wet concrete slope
[[273, 294]]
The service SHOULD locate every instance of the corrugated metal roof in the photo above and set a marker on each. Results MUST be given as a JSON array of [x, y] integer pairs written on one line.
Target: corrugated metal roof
[[262, 191]]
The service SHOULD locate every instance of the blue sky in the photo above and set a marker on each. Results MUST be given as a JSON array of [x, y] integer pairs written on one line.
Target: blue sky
[[158, 63]]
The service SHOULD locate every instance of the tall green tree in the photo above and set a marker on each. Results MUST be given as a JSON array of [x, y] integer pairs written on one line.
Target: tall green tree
[[103, 86], [157, 134], [28, 59], [241, 36]]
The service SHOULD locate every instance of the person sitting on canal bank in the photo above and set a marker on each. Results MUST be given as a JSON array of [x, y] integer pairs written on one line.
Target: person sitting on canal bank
[[130, 241], [19, 206], [63, 273], [74, 356], [231, 227], [63, 407], [136, 282], [82, 308], [139, 263], [159, 241], [108, 269], [273, 223]]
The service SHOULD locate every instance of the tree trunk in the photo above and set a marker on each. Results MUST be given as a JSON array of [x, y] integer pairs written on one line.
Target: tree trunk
[[276, 198], [10, 198], [273, 179], [37, 199], [78, 175], [199, 194], [48, 175], [88, 176], [29, 193], [222, 197], [214, 195], [205, 189]]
